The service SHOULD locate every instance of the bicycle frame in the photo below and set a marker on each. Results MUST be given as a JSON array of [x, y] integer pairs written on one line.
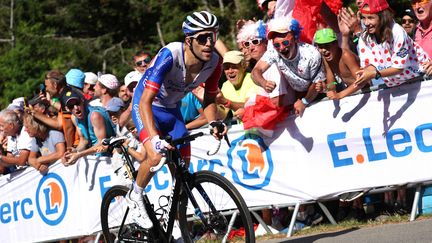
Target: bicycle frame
[[181, 179]]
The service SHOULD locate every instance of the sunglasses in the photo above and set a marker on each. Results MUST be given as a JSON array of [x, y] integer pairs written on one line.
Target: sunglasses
[[72, 103], [203, 38], [420, 2], [254, 42], [407, 21], [278, 45], [286, 43], [145, 61]]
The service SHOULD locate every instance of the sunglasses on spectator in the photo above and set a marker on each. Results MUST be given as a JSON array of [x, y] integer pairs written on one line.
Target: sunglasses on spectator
[[142, 62], [203, 38], [287, 42], [407, 21], [254, 42], [71, 104], [278, 45], [420, 2]]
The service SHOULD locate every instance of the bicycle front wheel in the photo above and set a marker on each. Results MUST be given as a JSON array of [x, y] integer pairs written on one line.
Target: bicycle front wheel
[[222, 214], [116, 220]]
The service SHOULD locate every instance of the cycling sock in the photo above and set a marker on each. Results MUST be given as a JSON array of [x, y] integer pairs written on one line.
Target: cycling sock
[[137, 189]]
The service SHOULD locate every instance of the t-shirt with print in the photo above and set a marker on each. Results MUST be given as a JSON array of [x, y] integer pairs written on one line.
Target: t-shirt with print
[[49, 145], [401, 53], [301, 71], [247, 88]]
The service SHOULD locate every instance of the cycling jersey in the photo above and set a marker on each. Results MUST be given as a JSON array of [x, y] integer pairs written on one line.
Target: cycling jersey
[[166, 76]]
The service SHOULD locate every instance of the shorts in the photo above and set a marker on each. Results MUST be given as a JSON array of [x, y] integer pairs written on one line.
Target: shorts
[[168, 121]]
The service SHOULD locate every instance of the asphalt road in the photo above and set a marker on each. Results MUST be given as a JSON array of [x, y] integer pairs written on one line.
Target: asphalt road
[[419, 231]]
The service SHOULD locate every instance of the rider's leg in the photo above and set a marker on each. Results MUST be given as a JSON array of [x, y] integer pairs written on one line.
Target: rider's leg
[[135, 199]]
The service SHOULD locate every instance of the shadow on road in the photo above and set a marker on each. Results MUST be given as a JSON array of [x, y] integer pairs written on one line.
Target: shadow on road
[[313, 238]]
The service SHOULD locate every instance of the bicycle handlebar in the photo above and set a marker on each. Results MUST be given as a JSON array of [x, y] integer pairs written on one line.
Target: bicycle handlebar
[[183, 140], [116, 142]]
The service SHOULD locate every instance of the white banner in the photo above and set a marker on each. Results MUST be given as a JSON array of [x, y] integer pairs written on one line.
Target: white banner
[[364, 141]]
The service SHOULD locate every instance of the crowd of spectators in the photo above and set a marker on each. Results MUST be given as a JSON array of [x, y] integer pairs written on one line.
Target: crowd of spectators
[[73, 112]]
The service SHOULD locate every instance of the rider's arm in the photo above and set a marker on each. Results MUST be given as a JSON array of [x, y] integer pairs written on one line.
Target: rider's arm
[[210, 92], [153, 82], [146, 112]]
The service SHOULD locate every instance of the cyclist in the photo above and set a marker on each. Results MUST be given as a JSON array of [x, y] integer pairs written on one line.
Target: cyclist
[[178, 68]]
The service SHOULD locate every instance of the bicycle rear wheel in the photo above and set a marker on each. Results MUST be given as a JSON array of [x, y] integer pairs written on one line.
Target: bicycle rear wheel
[[222, 216], [116, 221]]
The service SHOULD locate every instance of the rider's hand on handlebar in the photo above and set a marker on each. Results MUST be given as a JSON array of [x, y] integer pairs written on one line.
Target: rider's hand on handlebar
[[218, 129], [159, 144]]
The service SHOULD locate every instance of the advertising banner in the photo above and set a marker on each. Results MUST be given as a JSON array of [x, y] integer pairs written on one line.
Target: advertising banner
[[363, 141]]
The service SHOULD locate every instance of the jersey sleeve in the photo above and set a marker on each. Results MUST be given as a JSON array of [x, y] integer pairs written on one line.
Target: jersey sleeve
[[211, 85], [156, 73]]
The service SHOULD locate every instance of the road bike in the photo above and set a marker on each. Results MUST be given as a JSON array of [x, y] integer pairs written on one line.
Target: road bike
[[207, 206]]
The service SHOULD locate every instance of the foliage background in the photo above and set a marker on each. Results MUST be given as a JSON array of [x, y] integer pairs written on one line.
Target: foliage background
[[100, 35]]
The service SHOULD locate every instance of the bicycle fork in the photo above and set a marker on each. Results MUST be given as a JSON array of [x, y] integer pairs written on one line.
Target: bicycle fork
[[197, 210]]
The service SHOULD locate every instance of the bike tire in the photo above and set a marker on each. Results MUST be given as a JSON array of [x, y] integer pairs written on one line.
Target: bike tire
[[227, 200], [114, 210]]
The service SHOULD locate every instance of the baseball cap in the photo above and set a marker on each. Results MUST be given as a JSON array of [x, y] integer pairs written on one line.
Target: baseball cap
[[75, 77], [114, 104], [90, 78], [110, 81], [38, 100], [70, 96], [324, 36], [234, 57], [283, 25], [131, 77], [375, 6]]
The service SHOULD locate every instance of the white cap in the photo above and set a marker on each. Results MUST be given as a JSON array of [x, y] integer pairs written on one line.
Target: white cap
[[110, 81], [90, 78], [131, 77]]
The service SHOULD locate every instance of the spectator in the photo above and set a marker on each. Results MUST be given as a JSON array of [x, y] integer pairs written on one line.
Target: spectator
[[3, 146], [48, 147], [131, 79], [56, 88], [252, 38], [89, 83], [93, 125], [115, 109], [105, 89], [239, 85], [141, 61], [340, 64], [18, 141], [423, 35], [123, 94], [409, 22], [192, 112], [268, 6], [40, 104], [299, 63], [386, 50]]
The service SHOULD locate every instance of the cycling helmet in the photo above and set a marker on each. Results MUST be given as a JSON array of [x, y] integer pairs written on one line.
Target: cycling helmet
[[199, 21]]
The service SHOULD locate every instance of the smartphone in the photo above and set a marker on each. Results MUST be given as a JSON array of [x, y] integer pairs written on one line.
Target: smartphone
[[42, 88]]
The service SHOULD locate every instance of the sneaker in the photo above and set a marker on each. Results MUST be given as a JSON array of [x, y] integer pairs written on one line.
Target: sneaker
[[139, 214]]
